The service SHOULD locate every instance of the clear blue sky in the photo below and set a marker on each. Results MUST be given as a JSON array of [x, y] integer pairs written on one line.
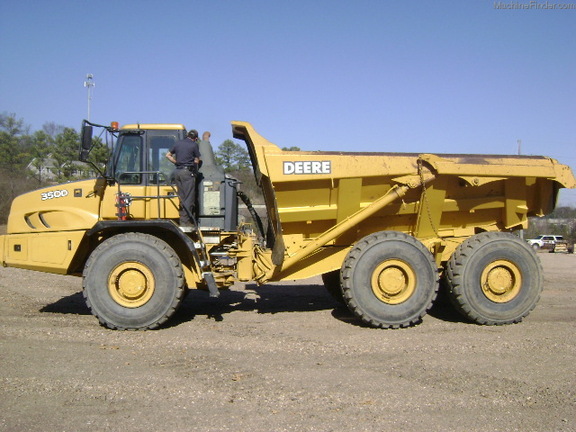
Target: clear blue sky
[[418, 76]]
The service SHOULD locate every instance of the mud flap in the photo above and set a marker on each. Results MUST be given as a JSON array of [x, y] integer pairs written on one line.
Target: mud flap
[[211, 282]]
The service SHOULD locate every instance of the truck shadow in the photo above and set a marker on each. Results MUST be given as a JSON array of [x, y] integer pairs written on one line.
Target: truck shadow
[[265, 299], [443, 310], [73, 304], [272, 299]]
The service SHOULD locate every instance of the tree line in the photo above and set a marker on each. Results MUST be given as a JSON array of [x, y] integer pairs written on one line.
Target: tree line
[[53, 149], [29, 160]]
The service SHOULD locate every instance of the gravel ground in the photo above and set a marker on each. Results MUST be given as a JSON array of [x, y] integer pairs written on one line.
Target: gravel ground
[[282, 357]]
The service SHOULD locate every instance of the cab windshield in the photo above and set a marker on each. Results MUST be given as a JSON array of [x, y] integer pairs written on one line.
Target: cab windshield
[[141, 157]]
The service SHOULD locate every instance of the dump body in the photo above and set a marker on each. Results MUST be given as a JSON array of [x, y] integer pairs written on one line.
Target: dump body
[[440, 199]]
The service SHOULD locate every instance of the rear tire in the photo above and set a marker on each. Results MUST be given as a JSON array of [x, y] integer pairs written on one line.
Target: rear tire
[[494, 278], [133, 281], [389, 280]]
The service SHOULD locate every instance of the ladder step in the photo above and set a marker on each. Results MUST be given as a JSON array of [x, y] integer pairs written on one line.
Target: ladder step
[[201, 257]]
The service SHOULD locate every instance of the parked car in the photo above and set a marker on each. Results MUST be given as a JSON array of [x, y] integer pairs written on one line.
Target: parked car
[[553, 243]]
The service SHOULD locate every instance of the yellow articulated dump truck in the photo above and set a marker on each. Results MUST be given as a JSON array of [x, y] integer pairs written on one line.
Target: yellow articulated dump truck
[[382, 229]]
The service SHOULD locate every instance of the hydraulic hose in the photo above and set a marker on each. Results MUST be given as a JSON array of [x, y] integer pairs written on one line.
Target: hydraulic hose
[[255, 216]]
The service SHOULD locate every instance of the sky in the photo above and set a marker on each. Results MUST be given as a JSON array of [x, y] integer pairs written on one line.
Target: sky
[[428, 76]]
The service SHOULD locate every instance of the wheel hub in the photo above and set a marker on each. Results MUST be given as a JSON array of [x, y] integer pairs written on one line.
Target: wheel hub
[[501, 281], [131, 284], [393, 281]]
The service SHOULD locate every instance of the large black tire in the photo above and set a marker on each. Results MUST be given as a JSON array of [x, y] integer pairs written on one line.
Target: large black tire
[[389, 280], [333, 286], [494, 278], [133, 281]]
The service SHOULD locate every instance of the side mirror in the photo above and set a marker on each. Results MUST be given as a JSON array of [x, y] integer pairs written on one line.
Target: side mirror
[[86, 142]]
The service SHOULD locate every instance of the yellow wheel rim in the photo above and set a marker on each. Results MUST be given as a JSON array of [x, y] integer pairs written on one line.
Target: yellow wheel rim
[[131, 284], [393, 281], [501, 281]]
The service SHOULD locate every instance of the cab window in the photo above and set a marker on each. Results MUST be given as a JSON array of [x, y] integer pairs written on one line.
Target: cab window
[[160, 142], [129, 160]]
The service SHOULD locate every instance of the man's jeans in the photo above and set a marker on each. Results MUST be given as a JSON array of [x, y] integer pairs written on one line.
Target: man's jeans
[[186, 185]]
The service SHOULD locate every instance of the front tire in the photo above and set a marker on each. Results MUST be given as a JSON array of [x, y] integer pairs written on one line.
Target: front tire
[[494, 278], [133, 281], [389, 280]]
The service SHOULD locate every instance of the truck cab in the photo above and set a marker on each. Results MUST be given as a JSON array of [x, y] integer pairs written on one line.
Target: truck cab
[[141, 149], [143, 176]]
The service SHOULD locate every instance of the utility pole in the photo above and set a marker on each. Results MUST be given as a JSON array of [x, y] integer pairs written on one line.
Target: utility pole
[[89, 83]]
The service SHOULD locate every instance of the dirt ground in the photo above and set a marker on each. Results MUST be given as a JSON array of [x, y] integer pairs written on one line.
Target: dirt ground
[[282, 357]]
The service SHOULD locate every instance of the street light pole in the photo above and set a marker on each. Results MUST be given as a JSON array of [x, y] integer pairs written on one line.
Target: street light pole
[[89, 83]]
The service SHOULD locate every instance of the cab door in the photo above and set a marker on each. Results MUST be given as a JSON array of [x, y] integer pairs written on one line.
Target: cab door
[[127, 169]]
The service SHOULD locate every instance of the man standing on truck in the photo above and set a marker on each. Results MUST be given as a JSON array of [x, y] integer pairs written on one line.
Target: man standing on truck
[[185, 154]]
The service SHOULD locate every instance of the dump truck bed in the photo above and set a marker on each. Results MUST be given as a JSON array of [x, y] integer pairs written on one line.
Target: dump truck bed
[[444, 198]]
